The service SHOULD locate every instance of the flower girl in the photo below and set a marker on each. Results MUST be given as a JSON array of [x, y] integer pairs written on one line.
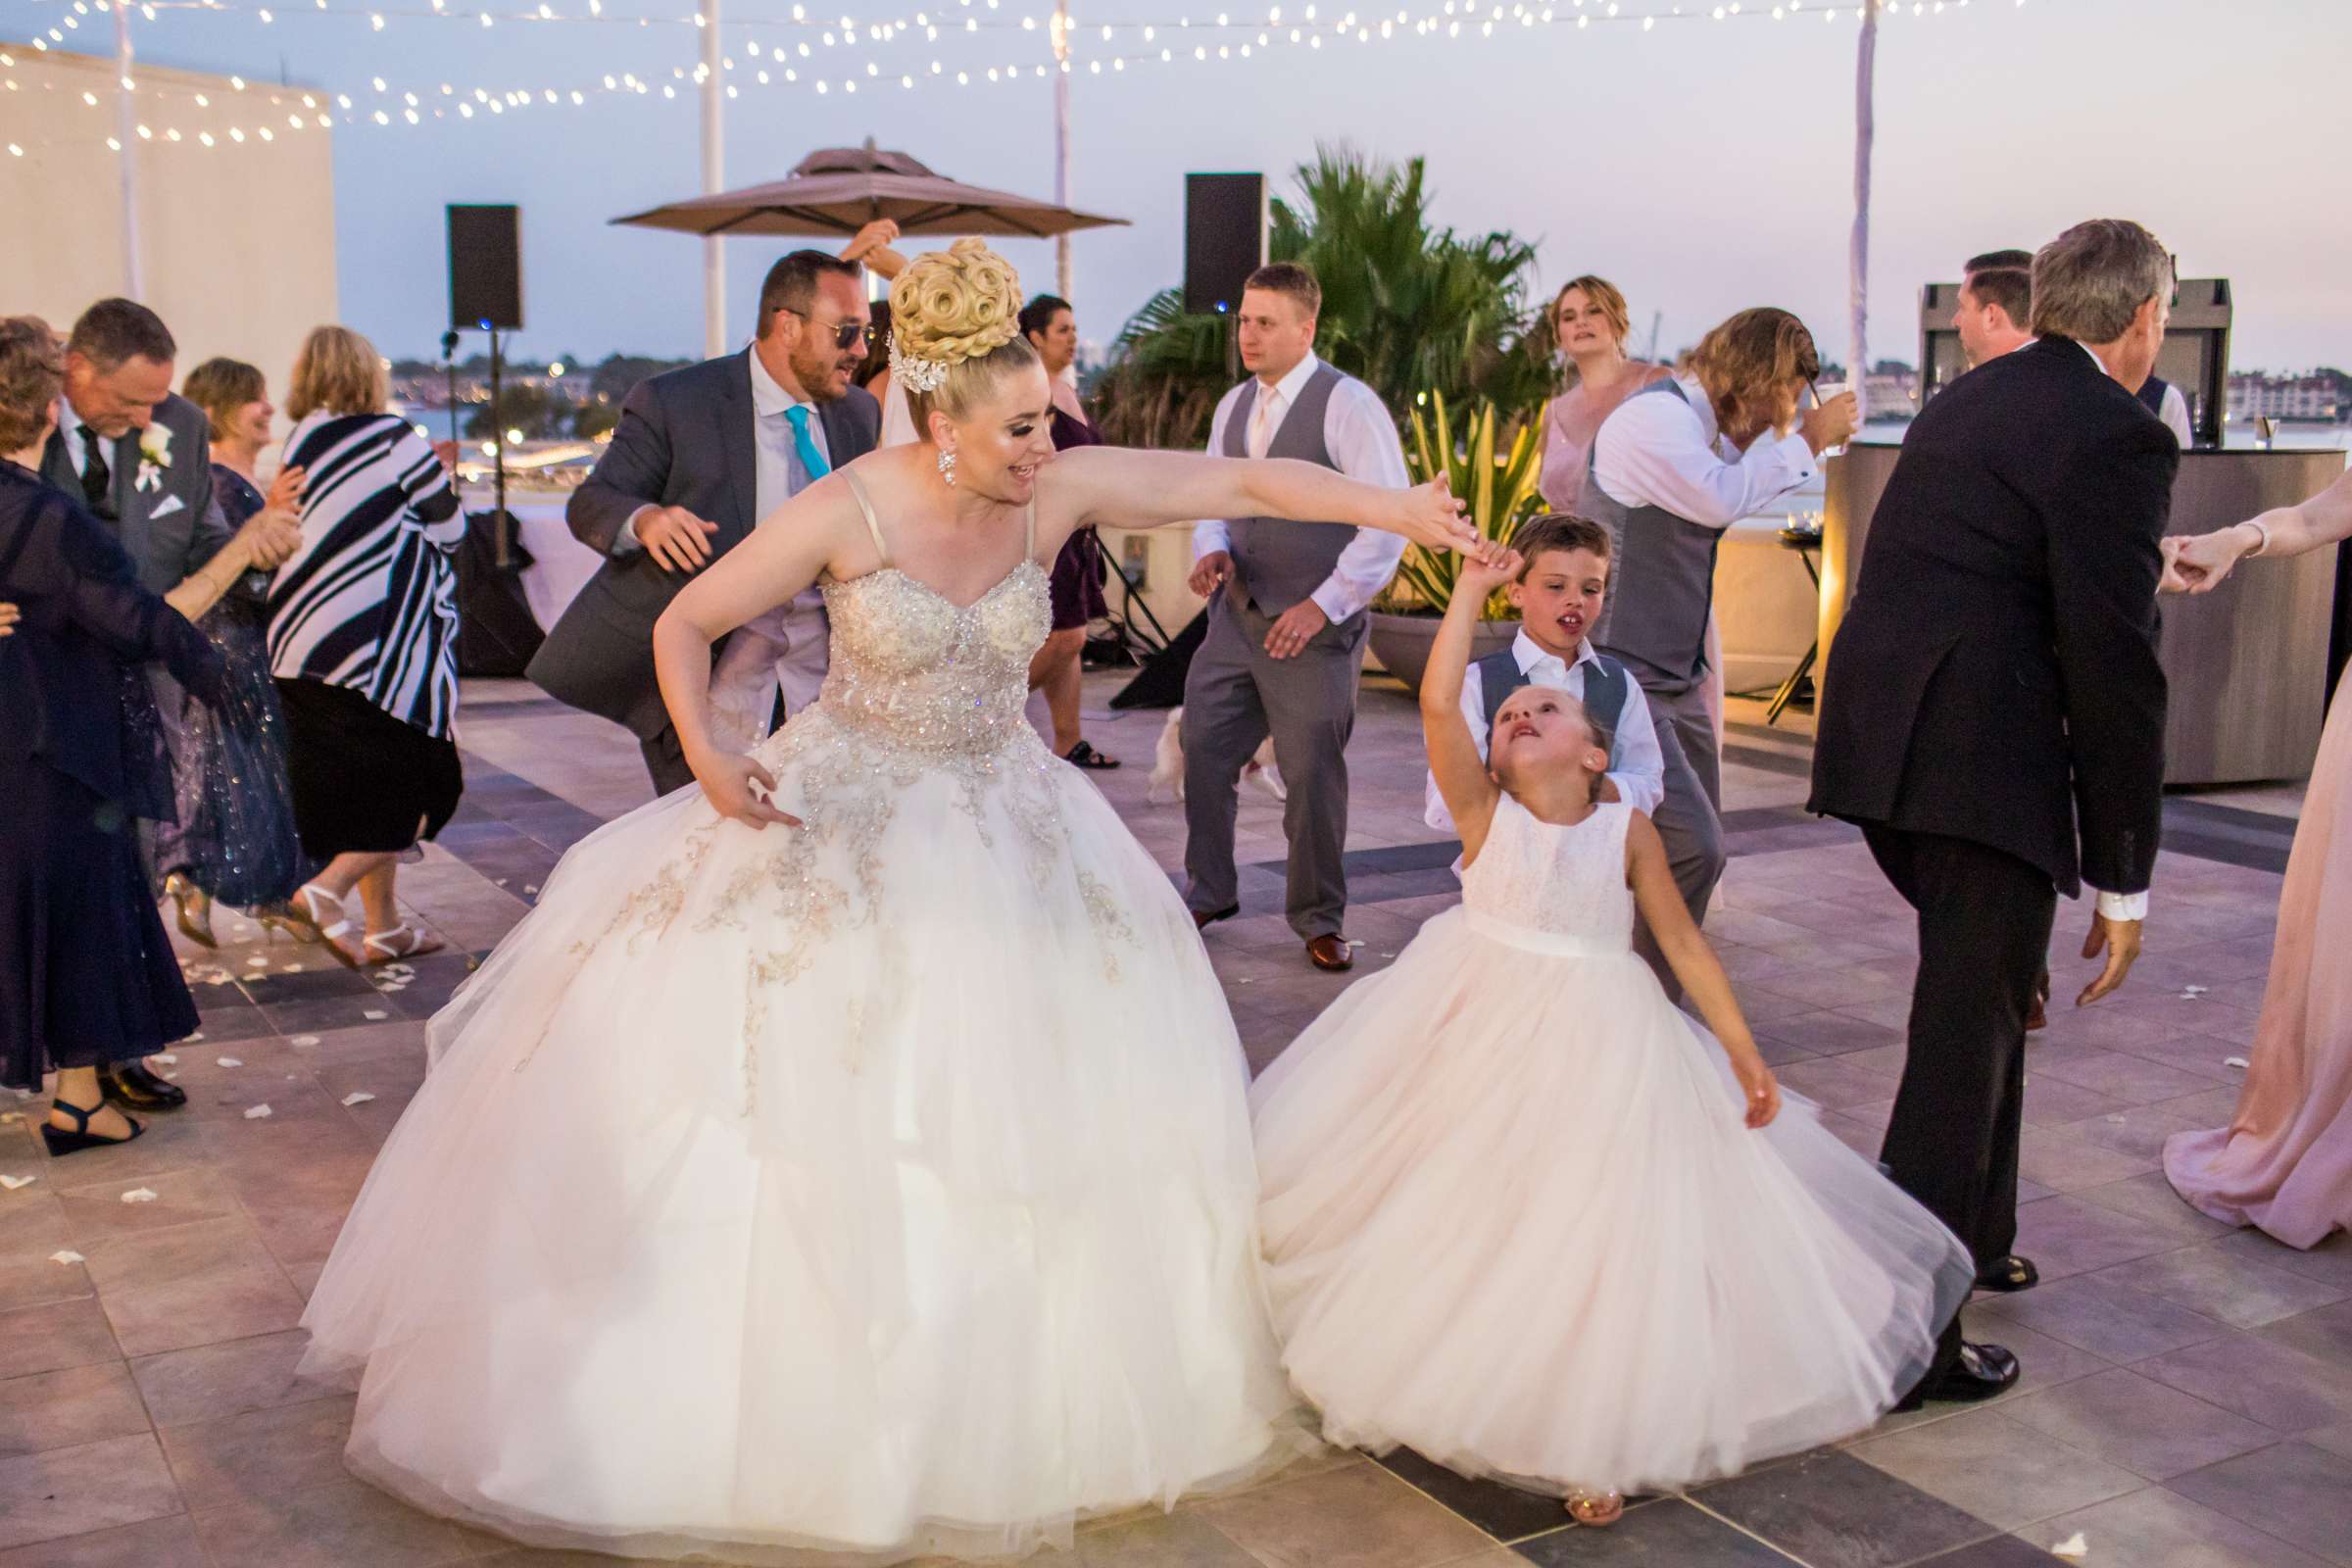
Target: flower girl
[[1523, 1215]]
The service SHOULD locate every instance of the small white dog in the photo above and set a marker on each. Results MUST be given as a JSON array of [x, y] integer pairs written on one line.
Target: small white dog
[[1167, 765]]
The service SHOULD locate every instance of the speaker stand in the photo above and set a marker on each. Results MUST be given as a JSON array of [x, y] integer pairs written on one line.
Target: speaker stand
[[497, 447]]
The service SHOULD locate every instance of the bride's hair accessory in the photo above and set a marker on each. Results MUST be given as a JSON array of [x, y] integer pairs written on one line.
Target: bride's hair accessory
[[916, 374]]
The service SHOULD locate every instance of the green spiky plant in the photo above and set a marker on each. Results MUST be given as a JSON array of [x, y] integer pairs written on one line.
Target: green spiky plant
[[1498, 491]]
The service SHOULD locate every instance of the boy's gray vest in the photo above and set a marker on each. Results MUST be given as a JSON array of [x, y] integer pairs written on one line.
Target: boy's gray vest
[[1499, 675], [1281, 563], [1661, 583]]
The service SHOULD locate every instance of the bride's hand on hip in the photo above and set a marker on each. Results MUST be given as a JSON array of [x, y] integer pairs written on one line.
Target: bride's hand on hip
[[740, 788]]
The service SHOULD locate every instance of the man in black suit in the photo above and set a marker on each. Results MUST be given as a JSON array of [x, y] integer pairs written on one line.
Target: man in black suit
[[700, 455], [1993, 718]]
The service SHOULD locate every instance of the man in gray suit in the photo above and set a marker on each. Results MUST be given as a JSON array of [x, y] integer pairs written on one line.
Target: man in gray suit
[[1287, 616], [700, 455], [136, 451]]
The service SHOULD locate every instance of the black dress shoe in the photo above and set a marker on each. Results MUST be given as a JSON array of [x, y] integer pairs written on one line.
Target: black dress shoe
[[1202, 919], [2008, 1275], [1980, 1372], [131, 1085]]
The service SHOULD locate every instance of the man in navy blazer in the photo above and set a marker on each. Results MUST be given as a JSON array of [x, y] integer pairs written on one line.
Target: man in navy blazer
[[1993, 718], [700, 455]]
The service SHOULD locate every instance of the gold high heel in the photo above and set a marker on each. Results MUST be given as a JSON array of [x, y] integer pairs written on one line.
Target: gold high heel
[[193, 907], [290, 919], [305, 911], [1595, 1510]]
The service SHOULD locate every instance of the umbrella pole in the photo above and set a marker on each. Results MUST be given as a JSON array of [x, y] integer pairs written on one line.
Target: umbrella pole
[[1865, 128], [714, 254], [1062, 141]]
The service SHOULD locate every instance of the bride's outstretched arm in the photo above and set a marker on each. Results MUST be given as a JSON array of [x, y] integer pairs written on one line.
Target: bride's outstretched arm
[[760, 573], [1121, 487], [2198, 562]]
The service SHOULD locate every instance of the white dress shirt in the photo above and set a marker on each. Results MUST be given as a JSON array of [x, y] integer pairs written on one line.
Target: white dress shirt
[[1661, 451], [1637, 765], [2175, 416], [779, 472], [1362, 442]]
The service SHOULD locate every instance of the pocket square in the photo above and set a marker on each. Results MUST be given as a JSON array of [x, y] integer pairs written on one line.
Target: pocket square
[[168, 506]]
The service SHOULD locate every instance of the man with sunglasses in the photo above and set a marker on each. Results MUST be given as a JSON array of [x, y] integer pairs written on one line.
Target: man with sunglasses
[[700, 455]]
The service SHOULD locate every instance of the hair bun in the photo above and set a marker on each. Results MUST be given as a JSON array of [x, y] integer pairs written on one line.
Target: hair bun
[[956, 304]]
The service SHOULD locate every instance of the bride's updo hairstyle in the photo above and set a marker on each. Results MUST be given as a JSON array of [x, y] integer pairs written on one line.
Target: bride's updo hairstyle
[[960, 309]]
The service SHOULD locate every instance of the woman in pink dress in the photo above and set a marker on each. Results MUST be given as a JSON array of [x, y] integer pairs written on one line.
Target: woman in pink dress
[[2285, 1161], [1588, 322]]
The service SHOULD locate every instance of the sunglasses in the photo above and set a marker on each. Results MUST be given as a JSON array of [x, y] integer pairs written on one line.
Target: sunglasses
[[849, 334]]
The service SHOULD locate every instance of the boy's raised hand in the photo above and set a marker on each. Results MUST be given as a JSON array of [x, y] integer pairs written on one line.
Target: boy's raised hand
[[1486, 567]]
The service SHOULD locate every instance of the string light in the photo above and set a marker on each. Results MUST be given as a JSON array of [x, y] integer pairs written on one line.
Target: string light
[[1266, 34]]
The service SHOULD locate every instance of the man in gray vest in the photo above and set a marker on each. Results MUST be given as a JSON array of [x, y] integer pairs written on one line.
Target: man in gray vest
[[1676, 464], [1286, 618]]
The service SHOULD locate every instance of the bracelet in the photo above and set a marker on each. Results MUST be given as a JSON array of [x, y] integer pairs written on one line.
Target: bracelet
[[2262, 539]]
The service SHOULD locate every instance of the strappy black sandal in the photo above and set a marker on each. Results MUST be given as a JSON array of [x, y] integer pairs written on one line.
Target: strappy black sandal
[[63, 1143], [1083, 755]]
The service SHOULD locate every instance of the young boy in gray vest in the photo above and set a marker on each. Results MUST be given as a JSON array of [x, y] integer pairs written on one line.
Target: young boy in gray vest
[[1559, 592]]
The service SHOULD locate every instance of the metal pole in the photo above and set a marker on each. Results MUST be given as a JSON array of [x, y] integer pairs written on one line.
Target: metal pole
[[127, 132], [715, 255], [1858, 284], [1062, 141], [498, 420]]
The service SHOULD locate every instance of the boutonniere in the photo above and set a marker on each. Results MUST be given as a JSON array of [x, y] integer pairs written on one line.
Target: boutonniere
[[155, 455]]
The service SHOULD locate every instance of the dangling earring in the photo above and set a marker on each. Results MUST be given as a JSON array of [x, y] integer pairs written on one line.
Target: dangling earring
[[947, 465]]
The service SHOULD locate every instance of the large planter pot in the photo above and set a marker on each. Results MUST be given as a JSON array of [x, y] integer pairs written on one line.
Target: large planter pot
[[1401, 643]]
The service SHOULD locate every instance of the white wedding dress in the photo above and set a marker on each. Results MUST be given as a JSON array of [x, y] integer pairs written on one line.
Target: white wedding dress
[[881, 1185], [1514, 1216]]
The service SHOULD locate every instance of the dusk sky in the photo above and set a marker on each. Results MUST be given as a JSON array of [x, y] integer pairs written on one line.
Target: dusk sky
[[1703, 165]]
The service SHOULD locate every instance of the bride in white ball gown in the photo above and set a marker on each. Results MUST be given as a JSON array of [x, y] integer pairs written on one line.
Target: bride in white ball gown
[[852, 1152]]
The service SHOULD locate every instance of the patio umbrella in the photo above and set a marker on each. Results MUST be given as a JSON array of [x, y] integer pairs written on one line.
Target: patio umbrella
[[841, 189]]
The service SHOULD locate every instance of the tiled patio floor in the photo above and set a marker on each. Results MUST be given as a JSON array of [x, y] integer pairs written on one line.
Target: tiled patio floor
[[2187, 1390]]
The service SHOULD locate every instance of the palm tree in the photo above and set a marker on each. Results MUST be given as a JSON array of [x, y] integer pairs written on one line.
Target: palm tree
[[1408, 309]]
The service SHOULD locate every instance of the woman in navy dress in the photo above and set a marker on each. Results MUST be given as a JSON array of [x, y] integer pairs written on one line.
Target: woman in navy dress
[[235, 839], [87, 976]]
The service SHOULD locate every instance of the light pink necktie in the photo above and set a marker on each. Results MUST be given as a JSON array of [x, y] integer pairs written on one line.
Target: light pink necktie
[[1264, 421]]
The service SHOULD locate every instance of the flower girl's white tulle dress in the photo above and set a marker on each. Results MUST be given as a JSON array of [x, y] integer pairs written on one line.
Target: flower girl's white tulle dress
[[881, 1185], [1514, 1217]]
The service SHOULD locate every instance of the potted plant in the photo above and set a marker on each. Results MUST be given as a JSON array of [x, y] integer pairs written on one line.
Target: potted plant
[[1500, 492]]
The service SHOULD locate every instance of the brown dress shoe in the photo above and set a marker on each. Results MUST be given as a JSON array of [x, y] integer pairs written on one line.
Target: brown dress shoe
[[1331, 952]]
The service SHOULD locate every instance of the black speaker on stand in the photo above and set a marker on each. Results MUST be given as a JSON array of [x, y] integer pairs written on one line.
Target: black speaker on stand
[[1224, 242], [497, 633]]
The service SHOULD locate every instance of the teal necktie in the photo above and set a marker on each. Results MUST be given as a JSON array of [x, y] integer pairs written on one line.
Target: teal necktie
[[804, 445]]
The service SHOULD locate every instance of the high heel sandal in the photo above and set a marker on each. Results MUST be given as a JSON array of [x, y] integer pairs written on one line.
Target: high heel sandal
[[193, 909], [304, 910], [1595, 1510], [402, 941], [63, 1141], [289, 918]]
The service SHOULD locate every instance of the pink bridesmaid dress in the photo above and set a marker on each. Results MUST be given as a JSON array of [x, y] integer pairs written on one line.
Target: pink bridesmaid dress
[[2285, 1161]]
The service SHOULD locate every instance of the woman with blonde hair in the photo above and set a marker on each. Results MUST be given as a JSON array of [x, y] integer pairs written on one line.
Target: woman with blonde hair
[[777, 1183], [362, 640], [1588, 322]]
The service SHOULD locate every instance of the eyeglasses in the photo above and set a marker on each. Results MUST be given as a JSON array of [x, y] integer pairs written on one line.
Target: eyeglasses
[[849, 334]]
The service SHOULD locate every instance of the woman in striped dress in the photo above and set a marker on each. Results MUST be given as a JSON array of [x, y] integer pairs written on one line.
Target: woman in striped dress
[[362, 640]]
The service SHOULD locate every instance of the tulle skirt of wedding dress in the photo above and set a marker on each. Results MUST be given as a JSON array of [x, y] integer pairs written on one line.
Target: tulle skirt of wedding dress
[[881, 1187], [1515, 1220]]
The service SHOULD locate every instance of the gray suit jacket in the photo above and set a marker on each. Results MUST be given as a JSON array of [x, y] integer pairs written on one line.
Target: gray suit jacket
[[168, 531], [685, 439]]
